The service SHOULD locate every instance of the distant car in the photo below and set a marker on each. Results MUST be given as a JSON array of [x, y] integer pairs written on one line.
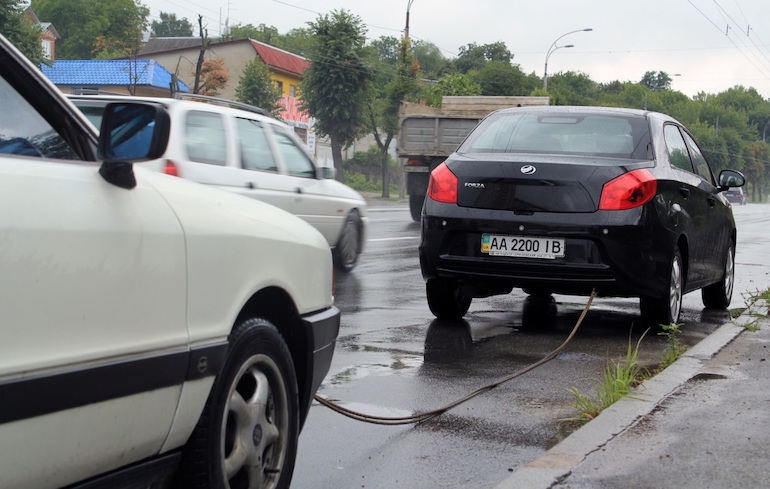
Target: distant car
[[152, 328], [571, 199], [252, 154], [735, 196]]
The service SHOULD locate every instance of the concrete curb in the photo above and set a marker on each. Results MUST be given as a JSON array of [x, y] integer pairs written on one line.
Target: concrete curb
[[558, 462]]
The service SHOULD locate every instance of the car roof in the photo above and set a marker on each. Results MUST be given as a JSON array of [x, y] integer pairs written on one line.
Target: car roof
[[561, 109], [221, 105]]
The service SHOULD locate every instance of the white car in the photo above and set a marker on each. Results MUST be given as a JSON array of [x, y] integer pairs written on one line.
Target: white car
[[258, 156], [152, 328]]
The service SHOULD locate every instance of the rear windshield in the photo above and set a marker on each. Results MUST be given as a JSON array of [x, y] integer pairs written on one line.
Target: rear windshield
[[610, 135]]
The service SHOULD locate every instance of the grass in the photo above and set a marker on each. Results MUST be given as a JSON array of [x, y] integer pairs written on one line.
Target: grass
[[618, 380], [674, 347], [751, 299]]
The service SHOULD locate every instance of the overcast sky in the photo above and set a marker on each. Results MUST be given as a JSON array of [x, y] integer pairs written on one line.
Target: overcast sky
[[712, 44]]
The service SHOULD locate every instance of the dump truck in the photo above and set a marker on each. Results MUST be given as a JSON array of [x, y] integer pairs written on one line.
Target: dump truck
[[427, 135]]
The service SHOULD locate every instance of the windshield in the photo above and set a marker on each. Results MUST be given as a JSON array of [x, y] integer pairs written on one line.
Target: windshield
[[608, 135]]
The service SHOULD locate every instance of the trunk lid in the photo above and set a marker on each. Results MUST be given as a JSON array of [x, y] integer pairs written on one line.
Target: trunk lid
[[527, 183]]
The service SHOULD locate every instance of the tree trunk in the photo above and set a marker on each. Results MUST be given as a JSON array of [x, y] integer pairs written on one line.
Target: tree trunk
[[337, 156], [199, 64], [385, 169], [385, 176]]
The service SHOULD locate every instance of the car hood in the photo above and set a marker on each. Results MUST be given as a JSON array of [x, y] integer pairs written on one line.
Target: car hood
[[264, 246], [535, 183]]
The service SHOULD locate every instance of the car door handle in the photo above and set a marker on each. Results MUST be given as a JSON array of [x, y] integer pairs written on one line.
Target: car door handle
[[298, 190], [251, 185], [684, 191]]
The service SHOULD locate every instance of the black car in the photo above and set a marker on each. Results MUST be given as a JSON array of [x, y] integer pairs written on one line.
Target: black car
[[735, 196], [574, 199]]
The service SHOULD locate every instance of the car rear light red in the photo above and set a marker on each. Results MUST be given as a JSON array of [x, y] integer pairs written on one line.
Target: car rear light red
[[629, 190], [443, 185], [171, 169]]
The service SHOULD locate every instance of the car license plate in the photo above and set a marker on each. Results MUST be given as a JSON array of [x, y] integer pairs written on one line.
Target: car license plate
[[524, 246]]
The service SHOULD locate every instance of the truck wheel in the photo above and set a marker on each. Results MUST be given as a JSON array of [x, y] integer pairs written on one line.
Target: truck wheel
[[247, 435], [445, 299], [415, 206]]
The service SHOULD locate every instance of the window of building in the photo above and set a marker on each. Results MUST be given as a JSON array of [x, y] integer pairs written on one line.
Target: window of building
[[47, 48]]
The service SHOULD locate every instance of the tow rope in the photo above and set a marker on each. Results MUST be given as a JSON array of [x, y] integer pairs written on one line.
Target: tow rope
[[421, 417]]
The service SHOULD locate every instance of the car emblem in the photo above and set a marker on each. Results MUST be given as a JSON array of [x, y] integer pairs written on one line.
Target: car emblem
[[528, 169], [474, 185]]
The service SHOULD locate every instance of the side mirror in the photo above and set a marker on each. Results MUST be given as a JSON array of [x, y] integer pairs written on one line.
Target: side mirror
[[327, 172], [130, 132], [133, 132], [731, 178]]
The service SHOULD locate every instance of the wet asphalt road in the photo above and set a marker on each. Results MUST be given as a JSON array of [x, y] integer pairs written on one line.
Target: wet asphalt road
[[393, 359]]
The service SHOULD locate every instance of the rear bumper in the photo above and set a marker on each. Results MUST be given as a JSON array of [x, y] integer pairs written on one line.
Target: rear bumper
[[621, 254]]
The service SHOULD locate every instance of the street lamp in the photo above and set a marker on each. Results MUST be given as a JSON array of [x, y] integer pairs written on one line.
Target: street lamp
[[553, 48]]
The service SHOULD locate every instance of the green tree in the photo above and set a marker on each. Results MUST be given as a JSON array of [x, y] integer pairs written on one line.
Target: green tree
[[17, 29], [450, 85], [262, 33], [335, 85], [573, 88], [170, 26], [500, 79], [432, 62], [387, 92], [90, 27], [474, 57], [256, 87], [297, 41], [656, 80]]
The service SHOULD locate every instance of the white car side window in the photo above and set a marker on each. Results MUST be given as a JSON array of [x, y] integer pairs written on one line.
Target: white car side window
[[294, 158], [206, 142], [23, 131], [255, 150]]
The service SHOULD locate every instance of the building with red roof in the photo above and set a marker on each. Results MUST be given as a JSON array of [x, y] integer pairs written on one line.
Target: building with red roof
[[180, 54]]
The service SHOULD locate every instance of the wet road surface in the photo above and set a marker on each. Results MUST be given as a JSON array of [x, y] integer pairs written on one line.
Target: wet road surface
[[393, 358]]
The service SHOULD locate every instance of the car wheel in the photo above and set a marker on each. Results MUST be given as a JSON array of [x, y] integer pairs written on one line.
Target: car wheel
[[718, 295], [247, 435], [445, 299], [349, 245], [415, 206], [665, 310]]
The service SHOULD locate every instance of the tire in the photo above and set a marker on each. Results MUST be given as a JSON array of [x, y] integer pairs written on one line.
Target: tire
[[445, 299], [719, 295], [348, 247], [665, 310], [415, 206], [251, 417]]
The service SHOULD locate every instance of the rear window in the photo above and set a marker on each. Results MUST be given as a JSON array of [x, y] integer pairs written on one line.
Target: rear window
[[608, 135]]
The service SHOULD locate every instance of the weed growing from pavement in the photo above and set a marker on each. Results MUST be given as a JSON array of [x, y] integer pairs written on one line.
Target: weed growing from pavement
[[752, 298], [674, 346], [618, 380]]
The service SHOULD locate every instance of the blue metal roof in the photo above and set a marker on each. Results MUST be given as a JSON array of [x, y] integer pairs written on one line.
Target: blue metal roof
[[109, 72]]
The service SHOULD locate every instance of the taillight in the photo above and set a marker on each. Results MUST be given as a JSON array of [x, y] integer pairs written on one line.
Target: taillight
[[629, 190], [171, 169], [443, 185]]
